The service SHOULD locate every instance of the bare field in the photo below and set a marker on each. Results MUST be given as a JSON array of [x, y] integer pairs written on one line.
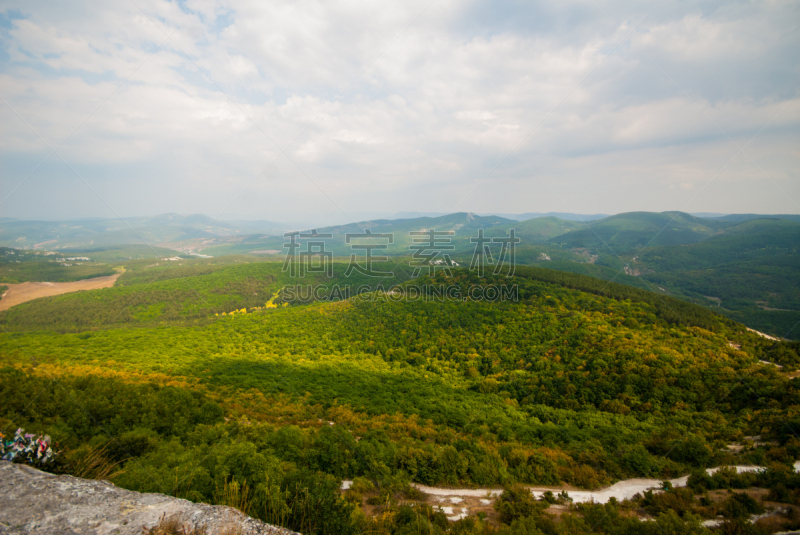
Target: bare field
[[27, 291]]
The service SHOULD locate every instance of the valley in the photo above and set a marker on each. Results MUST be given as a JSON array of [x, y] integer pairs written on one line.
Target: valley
[[399, 268], [743, 266], [183, 373]]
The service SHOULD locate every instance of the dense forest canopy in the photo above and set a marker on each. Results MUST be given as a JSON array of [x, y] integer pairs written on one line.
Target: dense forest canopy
[[743, 266], [186, 379]]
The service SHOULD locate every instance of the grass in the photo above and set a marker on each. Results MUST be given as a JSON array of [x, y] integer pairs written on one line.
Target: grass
[[238, 496], [174, 525], [96, 464]]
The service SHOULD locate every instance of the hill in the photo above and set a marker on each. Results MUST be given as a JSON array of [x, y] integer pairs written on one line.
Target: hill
[[743, 266], [624, 233], [738, 218], [567, 380], [749, 273], [463, 225], [541, 229], [161, 229], [713, 261], [192, 290]]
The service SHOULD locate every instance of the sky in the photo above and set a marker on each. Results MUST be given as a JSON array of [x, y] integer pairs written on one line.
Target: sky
[[297, 111]]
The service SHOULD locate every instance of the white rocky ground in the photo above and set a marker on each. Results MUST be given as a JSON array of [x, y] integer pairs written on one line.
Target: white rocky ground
[[35, 502], [621, 490]]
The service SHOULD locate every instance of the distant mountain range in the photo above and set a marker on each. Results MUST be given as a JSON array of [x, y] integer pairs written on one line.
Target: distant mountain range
[[175, 229], [744, 265], [163, 229]]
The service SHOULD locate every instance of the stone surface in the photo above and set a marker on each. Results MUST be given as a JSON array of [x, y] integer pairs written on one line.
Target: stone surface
[[36, 502]]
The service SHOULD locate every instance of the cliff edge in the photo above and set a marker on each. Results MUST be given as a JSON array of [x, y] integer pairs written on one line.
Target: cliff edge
[[36, 502]]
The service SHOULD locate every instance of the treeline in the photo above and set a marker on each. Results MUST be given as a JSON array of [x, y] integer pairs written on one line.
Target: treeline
[[671, 310], [14, 273], [152, 293]]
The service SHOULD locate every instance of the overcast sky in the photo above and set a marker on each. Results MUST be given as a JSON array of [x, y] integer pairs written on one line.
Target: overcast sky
[[292, 111]]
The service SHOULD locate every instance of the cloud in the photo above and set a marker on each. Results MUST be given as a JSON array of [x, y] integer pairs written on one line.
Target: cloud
[[346, 103]]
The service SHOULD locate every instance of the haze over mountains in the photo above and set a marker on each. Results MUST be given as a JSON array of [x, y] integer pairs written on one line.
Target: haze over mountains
[[744, 265], [175, 228]]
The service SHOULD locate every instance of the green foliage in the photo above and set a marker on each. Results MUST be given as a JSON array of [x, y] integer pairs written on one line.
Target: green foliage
[[749, 273], [740, 505], [517, 502], [623, 233], [784, 353], [669, 309], [91, 405], [169, 292], [576, 381], [679, 500], [419, 519], [521, 526], [22, 266], [560, 369], [315, 505]]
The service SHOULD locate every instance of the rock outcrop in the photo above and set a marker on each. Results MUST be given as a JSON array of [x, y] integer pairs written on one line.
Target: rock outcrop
[[36, 502]]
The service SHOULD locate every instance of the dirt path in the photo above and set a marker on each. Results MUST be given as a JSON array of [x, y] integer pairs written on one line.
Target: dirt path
[[27, 291], [462, 502], [759, 333]]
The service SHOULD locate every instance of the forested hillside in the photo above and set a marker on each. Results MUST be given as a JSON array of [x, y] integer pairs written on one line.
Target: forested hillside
[[750, 274], [573, 381], [152, 293], [743, 265], [21, 266]]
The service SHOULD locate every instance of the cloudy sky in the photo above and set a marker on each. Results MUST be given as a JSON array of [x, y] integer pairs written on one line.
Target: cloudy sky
[[303, 110]]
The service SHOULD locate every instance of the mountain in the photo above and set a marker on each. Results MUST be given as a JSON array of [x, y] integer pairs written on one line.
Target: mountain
[[741, 264], [749, 272], [155, 230], [623, 233], [463, 225], [567, 216], [738, 218], [541, 229]]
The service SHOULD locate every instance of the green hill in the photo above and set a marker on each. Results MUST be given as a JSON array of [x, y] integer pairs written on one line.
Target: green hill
[[463, 225], [624, 233], [541, 229], [165, 228], [737, 218], [749, 273], [569, 380], [743, 265], [151, 293]]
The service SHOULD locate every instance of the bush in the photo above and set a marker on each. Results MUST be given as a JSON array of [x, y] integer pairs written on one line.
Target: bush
[[517, 502], [315, 506], [740, 505]]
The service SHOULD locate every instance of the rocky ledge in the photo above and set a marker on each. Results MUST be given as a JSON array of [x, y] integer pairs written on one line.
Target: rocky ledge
[[32, 501]]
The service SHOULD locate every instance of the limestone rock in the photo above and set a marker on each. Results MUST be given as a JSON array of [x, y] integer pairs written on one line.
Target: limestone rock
[[36, 502]]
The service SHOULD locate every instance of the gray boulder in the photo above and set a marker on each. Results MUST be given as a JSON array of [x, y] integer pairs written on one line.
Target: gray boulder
[[32, 501]]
